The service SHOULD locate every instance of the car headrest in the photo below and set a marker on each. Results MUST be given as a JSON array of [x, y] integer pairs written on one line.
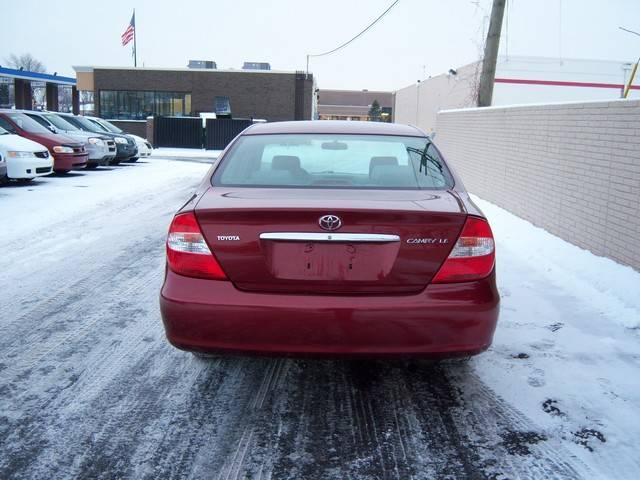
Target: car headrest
[[393, 176], [285, 162], [378, 161]]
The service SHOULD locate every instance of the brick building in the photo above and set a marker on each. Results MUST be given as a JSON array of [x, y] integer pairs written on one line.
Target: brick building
[[133, 94], [352, 104]]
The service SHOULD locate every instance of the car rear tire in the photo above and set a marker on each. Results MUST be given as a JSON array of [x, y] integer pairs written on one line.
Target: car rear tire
[[62, 172], [115, 162], [92, 166], [133, 160]]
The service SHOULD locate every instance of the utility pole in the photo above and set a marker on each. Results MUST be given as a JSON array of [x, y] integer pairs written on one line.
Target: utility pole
[[627, 87], [488, 75]]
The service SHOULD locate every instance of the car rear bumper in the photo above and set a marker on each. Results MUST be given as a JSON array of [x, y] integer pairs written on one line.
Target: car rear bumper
[[68, 161], [442, 321]]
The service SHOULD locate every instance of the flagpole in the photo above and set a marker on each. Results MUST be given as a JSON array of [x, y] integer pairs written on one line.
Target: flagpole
[[135, 50]]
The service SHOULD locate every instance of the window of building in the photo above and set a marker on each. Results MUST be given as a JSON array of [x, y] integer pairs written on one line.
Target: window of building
[[138, 105], [65, 103], [223, 106], [38, 96], [7, 93], [87, 105]]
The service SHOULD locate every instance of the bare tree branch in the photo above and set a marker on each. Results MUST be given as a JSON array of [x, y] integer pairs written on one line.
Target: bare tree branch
[[27, 62]]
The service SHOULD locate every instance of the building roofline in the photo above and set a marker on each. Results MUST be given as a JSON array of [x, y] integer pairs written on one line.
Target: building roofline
[[354, 91], [92, 68], [569, 104], [41, 77]]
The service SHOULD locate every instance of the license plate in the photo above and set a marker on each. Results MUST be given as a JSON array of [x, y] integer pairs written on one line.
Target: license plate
[[329, 261]]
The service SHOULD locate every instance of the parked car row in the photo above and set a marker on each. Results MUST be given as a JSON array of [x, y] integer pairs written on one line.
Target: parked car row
[[34, 143]]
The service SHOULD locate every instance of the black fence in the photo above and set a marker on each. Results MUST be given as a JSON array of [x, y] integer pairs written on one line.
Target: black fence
[[179, 132], [220, 131], [188, 132]]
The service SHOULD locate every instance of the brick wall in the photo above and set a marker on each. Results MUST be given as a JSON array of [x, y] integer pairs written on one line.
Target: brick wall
[[572, 169], [135, 127]]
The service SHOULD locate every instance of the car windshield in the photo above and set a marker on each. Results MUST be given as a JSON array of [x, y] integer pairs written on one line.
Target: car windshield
[[99, 125], [333, 161], [27, 124], [109, 126], [60, 123], [82, 123]]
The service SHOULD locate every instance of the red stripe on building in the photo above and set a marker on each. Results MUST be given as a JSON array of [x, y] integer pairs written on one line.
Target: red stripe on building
[[557, 83]]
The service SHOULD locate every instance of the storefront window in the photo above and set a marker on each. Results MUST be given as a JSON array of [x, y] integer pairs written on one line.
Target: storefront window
[[38, 96], [87, 105], [65, 103], [7, 93], [108, 102], [138, 105]]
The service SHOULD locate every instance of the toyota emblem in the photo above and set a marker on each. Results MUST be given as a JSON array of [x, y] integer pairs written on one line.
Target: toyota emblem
[[330, 222]]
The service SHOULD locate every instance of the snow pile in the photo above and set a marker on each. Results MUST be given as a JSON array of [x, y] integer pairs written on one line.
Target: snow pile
[[566, 352], [185, 153], [611, 288]]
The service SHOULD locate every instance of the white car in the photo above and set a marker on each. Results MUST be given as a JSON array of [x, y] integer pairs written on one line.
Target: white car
[[144, 147], [24, 159]]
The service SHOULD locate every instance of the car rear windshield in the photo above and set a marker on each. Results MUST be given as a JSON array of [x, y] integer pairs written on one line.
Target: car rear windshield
[[27, 124], [333, 161]]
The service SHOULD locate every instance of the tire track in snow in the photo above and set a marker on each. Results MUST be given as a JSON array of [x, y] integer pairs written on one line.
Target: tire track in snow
[[113, 241], [92, 390]]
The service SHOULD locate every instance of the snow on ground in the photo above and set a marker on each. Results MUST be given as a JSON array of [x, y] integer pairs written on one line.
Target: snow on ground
[[89, 387], [567, 349], [51, 199]]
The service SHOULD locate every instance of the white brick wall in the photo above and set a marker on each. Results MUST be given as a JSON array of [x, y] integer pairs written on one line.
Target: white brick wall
[[572, 168], [419, 104]]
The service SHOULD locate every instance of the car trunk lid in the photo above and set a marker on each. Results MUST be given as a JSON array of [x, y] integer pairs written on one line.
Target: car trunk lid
[[389, 241]]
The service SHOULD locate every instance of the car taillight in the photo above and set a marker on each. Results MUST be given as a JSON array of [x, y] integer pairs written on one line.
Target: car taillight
[[473, 255], [188, 253]]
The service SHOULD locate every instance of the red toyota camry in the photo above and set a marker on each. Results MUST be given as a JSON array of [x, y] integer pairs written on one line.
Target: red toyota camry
[[331, 238]]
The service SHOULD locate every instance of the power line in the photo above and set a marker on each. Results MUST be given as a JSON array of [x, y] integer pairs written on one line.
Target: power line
[[630, 31], [354, 38]]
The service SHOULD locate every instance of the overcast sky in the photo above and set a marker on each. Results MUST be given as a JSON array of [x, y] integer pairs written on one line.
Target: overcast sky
[[417, 38]]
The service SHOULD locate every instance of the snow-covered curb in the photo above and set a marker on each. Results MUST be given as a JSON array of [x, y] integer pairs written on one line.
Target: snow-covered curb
[[195, 154]]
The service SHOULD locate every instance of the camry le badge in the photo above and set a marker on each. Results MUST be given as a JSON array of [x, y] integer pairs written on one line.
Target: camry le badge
[[428, 241], [330, 222]]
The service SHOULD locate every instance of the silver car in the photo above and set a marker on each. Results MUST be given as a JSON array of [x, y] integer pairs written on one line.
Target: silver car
[[101, 148]]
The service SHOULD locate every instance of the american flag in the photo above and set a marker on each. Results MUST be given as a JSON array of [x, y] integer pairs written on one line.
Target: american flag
[[130, 32]]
